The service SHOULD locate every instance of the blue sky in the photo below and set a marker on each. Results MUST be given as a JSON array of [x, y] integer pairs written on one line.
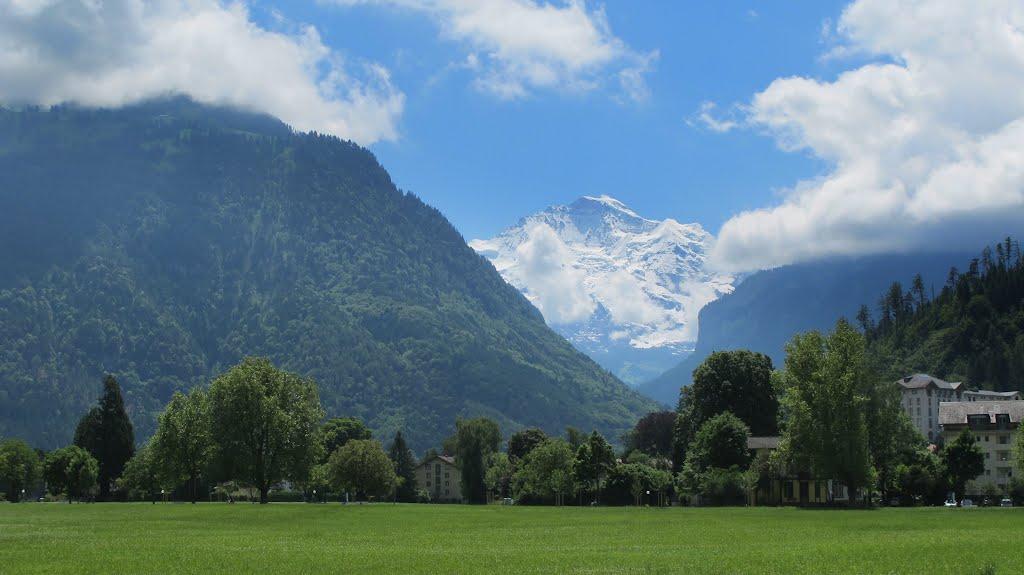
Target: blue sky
[[486, 161], [791, 130]]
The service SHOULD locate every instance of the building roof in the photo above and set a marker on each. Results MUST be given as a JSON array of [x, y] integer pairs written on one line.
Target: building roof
[[449, 459], [922, 381], [956, 412], [762, 443], [986, 393]]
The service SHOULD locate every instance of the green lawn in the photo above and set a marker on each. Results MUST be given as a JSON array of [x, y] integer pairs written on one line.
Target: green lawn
[[132, 539]]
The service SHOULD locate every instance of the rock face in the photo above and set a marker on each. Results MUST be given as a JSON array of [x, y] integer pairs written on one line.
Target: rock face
[[623, 289]]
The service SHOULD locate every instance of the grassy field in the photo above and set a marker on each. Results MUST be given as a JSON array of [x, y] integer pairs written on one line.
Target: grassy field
[[133, 539]]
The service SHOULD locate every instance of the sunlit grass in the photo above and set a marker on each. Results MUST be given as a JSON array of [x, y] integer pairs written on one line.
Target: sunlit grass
[[382, 538]]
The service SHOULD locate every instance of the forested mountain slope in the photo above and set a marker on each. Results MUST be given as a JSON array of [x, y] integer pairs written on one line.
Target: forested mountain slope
[[970, 331], [769, 307], [165, 241]]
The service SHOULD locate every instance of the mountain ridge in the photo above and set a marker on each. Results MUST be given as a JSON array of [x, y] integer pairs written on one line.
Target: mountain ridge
[[164, 241]]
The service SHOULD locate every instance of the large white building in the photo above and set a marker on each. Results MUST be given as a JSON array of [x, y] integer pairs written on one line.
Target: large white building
[[995, 425], [984, 395], [922, 395]]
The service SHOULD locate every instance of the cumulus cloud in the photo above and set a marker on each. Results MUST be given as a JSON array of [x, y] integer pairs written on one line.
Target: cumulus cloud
[[555, 284], [625, 300], [922, 143], [524, 45], [121, 51], [707, 117]]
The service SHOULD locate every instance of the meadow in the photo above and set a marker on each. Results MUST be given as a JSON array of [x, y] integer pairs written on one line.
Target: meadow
[[51, 538]]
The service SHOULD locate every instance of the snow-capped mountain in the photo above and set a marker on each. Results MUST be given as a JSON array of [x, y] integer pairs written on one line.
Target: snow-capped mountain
[[624, 289]]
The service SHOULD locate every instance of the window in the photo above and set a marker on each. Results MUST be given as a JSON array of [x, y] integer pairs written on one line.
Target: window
[[919, 401], [1004, 439], [987, 454], [1002, 455], [787, 490], [817, 490], [428, 484], [437, 468], [446, 484], [919, 410], [988, 472], [986, 439], [446, 475]]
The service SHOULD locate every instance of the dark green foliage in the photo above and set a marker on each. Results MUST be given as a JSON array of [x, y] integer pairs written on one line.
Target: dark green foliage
[[630, 482], [653, 434], [338, 431], [523, 442], [595, 459], [141, 478], [70, 470], [405, 468], [473, 441], [20, 468], [964, 460], [265, 424], [546, 472], [720, 442], [363, 468], [164, 242], [735, 381], [922, 480], [106, 433], [972, 330]]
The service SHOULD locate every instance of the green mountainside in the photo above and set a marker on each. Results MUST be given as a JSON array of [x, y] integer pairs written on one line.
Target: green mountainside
[[769, 307], [971, 331], [163, 242]]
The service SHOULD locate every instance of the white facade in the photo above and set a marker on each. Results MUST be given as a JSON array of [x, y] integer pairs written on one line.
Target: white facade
[[984, 395], [921, 396], [995, 425]]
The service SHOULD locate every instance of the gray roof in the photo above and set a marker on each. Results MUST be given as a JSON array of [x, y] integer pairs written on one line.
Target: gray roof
[[921, 381], [762, 443], [956, 412], [986, 393]]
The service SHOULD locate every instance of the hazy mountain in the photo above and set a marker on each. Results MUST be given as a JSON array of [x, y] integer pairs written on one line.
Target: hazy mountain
[[163, 242], [769, 307], [622, 288]]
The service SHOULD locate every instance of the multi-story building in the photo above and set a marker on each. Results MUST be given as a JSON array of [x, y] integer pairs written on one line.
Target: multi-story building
[[440, 477], [984, 395], [922, 395], [995, 425]]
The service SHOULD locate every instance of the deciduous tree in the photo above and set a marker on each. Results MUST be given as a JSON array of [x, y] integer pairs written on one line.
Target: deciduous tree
[[183, 444], [826, 428], [338, 431], [266, 424], [70, 470], [547, 471], [964, 461], [523, 442], [363, 468], [19, 467]]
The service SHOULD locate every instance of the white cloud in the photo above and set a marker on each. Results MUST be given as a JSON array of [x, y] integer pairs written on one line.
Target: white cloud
[[525, 45], [922, 144], [121, 51], [556, 285], [706, 118], [625, 299]]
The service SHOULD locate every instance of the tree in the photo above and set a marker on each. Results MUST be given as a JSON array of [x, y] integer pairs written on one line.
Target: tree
[[362, 467], [498, 476], [826, 427], [735, 381], [721, 442], [19, 467], [106, 433], [473, 441], [964, 461], [183, 445], [70, 470], [338, 431], [547, 471], [523, 442], [653, 434], [575, 437], [141, 477], [405, 468], [265, 423], [594, 460]]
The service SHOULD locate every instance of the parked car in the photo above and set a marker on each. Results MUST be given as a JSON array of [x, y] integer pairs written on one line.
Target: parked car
[[966, 503], [950, 503], [1006, 502]]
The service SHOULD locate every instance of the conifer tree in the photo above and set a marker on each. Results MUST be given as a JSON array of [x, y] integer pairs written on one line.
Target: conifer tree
[[405, 468], [106, 433]]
